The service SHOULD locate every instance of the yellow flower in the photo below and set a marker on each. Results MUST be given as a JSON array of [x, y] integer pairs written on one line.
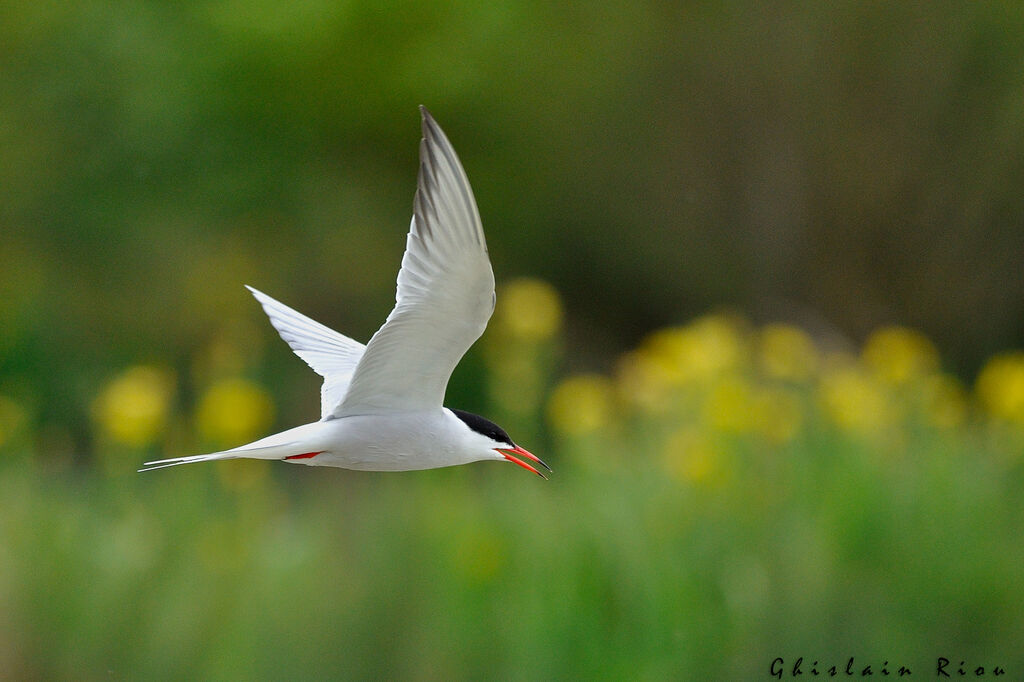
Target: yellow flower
[[233, 411], [1000, 386], [786, 352], [528, 309], [898, 355], [729, 406], [699, 351], [133, 408], [581, 404], [642, 382], [853, 401]]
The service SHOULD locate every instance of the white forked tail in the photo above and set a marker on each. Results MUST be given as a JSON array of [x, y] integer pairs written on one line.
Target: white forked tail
[[268, 452], [298, 443]]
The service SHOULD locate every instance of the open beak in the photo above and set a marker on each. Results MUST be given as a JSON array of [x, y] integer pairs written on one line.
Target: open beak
[[509, 454]]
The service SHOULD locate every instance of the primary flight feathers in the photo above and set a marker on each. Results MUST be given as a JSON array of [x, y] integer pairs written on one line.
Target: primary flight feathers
[[445, 293], [331, 355]]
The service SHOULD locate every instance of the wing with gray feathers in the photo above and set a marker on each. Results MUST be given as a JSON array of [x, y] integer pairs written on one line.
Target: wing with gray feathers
[[332, 355], [445, 293]]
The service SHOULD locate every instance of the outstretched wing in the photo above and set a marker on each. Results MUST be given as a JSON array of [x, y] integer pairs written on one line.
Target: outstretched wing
[[332, 355], [445, 293]]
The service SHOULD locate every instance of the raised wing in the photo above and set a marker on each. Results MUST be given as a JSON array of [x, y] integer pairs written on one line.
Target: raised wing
[[445, 293], [332, 355]]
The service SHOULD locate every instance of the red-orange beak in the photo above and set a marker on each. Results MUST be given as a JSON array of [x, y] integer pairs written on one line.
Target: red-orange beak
[[509, 453]]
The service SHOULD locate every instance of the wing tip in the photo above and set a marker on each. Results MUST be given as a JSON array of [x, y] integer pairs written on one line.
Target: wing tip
[[440, 164], [426, 116], [259, 295], [432, 133]]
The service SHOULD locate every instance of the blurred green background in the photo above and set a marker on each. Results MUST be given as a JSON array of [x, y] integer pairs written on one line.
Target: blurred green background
[[759, 289]]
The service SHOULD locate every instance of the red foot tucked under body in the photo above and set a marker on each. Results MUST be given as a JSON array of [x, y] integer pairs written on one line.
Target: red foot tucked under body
[[305, 455]]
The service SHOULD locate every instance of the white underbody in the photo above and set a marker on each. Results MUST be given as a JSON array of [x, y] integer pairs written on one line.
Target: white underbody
[[392, 442]]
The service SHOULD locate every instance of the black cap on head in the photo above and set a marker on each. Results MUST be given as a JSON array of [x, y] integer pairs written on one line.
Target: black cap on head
[[483, 426]]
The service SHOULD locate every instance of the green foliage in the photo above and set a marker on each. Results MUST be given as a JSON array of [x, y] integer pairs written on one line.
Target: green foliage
[[610, 570]]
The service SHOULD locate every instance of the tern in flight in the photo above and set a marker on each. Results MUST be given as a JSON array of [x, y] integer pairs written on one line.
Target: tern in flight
[[381, 404]]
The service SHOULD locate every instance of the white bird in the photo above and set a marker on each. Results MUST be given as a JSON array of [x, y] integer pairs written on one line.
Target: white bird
[[381, 404]]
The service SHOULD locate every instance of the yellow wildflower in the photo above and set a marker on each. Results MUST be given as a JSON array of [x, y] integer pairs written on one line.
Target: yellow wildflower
[[729, 406], [853, 401], [786, 352], [1000, 386], [133, 408], [898, 355], [701, 350], [642, 381], [581, 404], [528, 309], [233, 411]]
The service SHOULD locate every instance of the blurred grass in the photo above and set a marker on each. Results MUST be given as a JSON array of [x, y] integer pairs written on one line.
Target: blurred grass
[[682, 536]]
